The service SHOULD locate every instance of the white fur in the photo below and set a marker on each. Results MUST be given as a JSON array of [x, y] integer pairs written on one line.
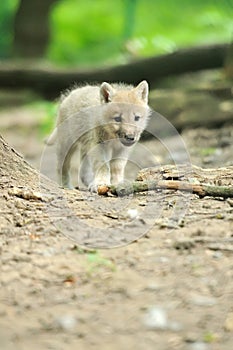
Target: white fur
[[100, 124]]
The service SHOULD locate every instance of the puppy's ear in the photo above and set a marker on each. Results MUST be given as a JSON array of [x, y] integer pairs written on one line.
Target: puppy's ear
[[142, 91], [106, 93]]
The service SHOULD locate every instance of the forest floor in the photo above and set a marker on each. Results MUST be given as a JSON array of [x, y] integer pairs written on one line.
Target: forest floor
[[168, 286]]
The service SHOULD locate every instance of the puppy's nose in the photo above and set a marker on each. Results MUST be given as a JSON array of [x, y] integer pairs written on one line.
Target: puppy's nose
[[129, 137]]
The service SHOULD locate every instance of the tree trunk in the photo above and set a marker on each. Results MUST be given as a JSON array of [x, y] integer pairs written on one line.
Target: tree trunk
[[51, 82], [31, 30], [229, 61]]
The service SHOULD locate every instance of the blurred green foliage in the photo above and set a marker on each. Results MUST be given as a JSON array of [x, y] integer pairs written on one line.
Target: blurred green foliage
[[107, 31], [48, 111], [7, 11], [92, 32]]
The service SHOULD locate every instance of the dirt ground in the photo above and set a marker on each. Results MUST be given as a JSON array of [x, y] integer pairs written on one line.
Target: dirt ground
[[171, 288]]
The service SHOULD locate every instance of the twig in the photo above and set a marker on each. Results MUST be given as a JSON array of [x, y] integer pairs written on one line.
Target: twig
[[201, 190], [25, 193]]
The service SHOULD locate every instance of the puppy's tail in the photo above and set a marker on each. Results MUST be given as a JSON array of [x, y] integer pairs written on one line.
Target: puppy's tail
[[52, 138]]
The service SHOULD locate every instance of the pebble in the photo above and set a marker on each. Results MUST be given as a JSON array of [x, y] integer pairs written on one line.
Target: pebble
[[163, 259], [65, 322], [198, 346], [132, 213], [230, 202], [175, 326], [153, 287], [217, 255], [202, 300], [156, 319], [49, 252]]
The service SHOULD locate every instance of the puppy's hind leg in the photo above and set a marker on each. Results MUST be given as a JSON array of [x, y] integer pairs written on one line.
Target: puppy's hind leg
[[63, 167], [86, 172]]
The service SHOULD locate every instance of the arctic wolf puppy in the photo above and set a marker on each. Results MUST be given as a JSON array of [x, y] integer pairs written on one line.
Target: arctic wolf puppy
[[101, 124]]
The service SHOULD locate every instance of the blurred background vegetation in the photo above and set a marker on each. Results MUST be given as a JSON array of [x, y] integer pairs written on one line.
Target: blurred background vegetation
[[92, 33], [47, 46]]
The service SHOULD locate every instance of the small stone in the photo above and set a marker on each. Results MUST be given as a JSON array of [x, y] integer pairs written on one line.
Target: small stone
[[132, 213], [156, 318], [49, 252], [163, 259], [217, 255], [202, 300], [175, 326], [220, 216], [198, 346], [230, 202], [153, 287], [191, 337], [65, 322]]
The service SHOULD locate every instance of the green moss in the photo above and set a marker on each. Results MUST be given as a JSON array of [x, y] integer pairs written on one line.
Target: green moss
[[209, 151]]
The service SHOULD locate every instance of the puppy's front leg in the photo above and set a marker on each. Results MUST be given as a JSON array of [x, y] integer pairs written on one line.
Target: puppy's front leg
[[101, 177], [100, 168], [117, 167]]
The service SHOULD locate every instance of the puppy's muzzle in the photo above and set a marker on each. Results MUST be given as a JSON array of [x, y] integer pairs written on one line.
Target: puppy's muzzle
[[128, 139]]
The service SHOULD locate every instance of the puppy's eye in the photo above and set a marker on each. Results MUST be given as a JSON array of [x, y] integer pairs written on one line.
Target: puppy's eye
[[136, 118], [117, 119]]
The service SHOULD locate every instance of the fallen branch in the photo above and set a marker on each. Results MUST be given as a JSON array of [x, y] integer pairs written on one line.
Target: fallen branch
[[201, 190], [50, 82]]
